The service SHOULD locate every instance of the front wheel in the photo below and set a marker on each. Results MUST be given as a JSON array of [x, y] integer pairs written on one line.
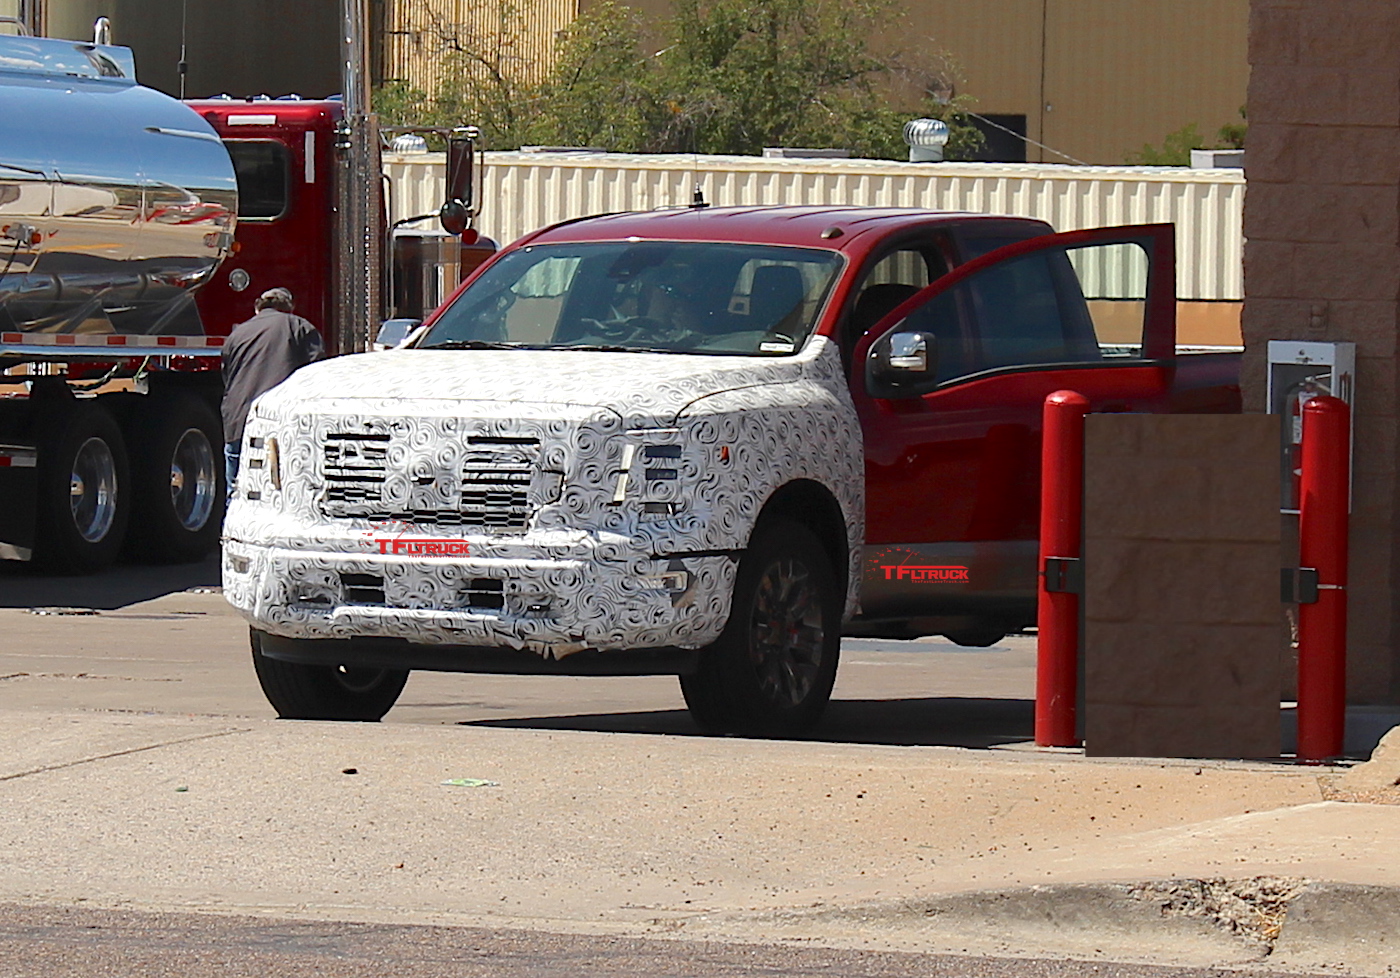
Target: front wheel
[[771, 671], [298, 691]]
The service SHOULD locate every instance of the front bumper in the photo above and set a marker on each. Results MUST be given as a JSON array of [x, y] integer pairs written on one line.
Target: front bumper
[[548, 606]]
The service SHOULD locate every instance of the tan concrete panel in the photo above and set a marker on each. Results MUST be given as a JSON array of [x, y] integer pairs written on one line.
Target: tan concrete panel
[[1182, 653]]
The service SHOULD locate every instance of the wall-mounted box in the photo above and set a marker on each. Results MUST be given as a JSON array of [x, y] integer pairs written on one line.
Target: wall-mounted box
[[1298, 372]]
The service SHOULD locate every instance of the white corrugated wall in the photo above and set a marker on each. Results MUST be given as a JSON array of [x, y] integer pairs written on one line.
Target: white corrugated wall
[[525, 191]]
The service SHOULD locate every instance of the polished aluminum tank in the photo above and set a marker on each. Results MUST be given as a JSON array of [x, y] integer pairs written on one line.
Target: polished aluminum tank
[[116, 201]]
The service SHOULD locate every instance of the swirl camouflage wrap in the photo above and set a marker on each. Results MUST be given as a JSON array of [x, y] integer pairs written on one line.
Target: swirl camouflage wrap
[[549, 501]]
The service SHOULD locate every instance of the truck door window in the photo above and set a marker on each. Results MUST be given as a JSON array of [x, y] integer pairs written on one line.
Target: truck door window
[[1059, 305], [890, 281], [261, 167], [1113, 281]]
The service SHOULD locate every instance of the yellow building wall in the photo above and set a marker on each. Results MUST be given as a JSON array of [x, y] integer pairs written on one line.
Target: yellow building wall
[[1095, 79]]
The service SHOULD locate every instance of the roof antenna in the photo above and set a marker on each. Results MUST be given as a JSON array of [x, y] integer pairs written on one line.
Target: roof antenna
[[184, 66], [697, 199]]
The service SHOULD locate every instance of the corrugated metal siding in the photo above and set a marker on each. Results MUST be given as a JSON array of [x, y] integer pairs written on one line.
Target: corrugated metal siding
[[520, 32], [524, 191]]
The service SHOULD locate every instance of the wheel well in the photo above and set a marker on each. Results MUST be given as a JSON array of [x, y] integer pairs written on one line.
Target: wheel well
[[812, 504]]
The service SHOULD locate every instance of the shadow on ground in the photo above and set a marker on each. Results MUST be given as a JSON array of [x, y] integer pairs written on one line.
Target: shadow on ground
[[934, 721], [23, 587]]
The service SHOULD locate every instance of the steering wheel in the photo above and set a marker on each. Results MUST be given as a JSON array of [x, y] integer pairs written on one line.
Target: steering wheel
[[627, 328]]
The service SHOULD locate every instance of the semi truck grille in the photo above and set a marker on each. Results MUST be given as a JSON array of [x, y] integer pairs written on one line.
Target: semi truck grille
[[355, 467]]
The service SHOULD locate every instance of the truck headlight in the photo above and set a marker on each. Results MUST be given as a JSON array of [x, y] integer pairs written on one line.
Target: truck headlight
[[274, 463]]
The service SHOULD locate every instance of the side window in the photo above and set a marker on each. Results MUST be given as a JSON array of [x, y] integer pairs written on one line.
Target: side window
[[260, 167], [1018, 312], [892, 280], [1059, 305], [1113, 281]]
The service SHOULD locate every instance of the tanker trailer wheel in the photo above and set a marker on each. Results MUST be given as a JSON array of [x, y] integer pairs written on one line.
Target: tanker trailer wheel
[[83, 490], [771, 671], [299, 691], [178, 473]]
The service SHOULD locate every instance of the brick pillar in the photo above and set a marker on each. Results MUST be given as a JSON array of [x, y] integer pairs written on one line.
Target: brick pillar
[[1322, 262]]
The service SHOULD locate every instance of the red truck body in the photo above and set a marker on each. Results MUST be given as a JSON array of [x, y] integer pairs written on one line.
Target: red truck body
[[952, 475]]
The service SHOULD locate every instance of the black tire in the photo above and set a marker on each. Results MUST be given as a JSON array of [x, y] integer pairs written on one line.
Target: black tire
[[177, 470], [772, 669], [976, 637], [83, 498], [309, 692]]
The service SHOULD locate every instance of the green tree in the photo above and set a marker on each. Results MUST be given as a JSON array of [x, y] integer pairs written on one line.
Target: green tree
[[727, 76], [1176, 148]]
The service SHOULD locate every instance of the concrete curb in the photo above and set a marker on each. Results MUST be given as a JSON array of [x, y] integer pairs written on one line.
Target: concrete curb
[[1292, 924], [1342, 924]]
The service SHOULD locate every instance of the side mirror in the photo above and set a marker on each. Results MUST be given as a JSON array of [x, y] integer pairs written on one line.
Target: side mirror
[[461, 159], [454, 217], [902, 364], [392, 332]]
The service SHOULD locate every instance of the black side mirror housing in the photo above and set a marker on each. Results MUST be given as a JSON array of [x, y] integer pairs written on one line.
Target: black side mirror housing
[[454, 217]]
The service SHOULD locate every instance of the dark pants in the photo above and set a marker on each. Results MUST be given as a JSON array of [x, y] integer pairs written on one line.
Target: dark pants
[[232, 451]]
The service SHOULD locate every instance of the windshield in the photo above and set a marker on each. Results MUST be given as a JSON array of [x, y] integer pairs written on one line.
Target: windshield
[[662, 296]]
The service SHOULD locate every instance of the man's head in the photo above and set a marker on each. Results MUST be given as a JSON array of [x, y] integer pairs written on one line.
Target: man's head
[[278, 298]]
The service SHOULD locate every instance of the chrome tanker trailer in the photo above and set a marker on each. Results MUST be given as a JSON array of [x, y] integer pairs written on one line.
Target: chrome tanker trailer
[[116, 204]]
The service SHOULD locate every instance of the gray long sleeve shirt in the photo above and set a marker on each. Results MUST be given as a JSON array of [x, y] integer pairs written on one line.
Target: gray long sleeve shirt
[[258, 355]]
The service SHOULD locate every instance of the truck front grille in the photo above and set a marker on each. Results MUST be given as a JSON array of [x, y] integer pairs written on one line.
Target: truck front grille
[[494, 484], [355, 466]]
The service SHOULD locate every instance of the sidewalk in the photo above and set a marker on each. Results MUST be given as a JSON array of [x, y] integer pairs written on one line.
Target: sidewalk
[[902, 848]]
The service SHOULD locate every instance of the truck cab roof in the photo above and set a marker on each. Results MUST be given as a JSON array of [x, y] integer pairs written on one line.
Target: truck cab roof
[[847, 229]]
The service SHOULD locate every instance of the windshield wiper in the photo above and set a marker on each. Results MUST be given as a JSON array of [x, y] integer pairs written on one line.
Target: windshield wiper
[[472, 345], [606, 348]]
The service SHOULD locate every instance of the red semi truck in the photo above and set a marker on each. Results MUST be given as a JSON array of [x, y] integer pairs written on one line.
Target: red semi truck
[[697, 441], [135, 232]]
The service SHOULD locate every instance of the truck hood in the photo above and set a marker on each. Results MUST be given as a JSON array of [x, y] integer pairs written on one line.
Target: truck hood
[[639, 387]]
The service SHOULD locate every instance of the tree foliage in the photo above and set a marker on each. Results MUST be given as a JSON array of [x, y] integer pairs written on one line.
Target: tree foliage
[[1176, 148], [727, 76]]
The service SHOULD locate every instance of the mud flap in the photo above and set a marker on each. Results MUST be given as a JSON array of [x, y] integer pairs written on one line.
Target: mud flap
[[18, 480]]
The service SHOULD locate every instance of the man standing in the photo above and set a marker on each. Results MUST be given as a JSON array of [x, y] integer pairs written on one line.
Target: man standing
[[259, 355]]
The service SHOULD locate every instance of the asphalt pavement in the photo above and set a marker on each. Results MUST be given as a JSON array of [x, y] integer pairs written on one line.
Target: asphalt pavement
[[145, 775]]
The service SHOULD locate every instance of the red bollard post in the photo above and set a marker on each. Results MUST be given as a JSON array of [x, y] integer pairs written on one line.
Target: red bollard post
[[1322, 546], [1057, 609]]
